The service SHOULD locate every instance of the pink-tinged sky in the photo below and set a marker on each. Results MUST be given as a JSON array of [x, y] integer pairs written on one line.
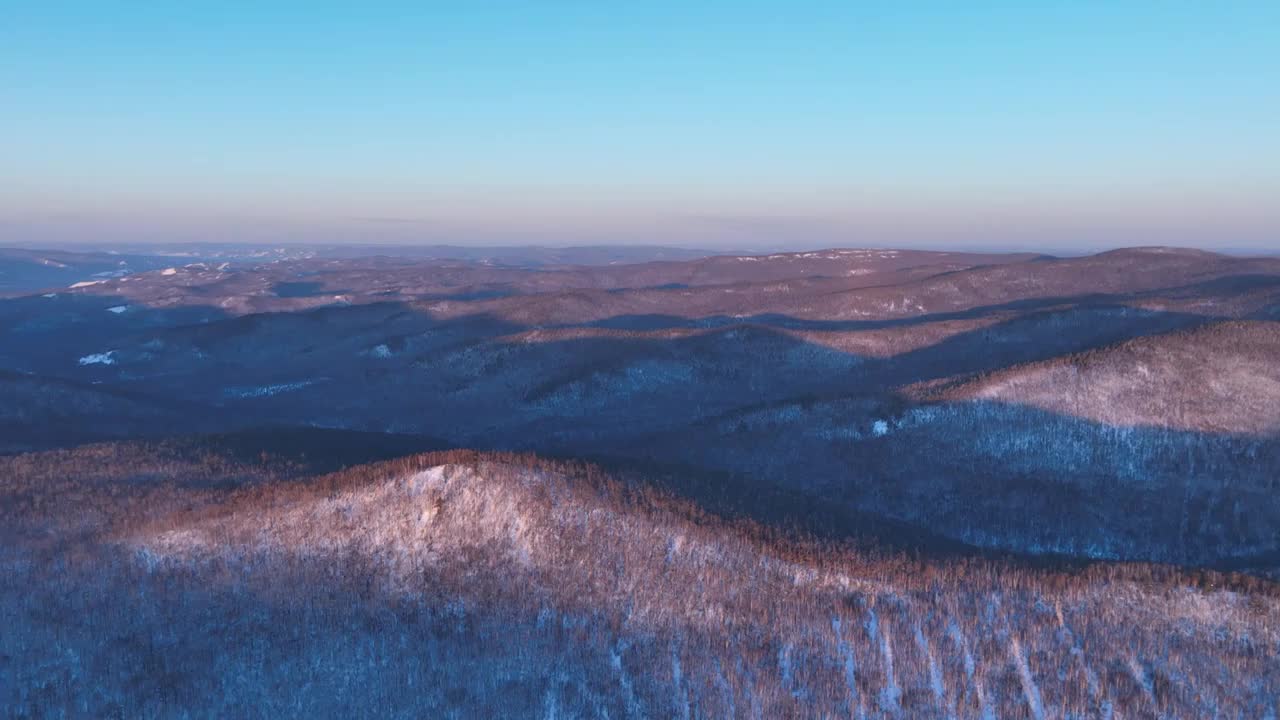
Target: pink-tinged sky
[[745, 124]]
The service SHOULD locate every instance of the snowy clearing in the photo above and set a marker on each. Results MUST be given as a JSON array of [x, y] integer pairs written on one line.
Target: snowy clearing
[[104, 358], [268, 390]]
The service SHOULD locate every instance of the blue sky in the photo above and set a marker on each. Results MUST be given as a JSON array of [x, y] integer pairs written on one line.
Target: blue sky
[[1043, 124]]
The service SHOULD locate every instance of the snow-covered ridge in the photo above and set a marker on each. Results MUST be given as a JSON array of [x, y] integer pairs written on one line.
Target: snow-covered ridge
[[823, 255]]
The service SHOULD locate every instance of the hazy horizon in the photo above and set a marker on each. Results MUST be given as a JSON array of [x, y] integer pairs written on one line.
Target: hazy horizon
[[723, 126], [160, 247]]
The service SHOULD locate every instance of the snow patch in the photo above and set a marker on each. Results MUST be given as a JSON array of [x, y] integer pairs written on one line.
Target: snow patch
[[381, 351], [104, 358], [169, 271], [880, 428], [1030, 690], [50, 295], [268, 390], [85, 283], [117, 309]]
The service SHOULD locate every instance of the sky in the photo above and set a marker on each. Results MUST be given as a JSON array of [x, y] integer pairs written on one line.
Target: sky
[[713, 124]]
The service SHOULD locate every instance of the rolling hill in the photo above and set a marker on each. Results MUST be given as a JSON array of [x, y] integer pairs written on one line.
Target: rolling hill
[[464, 577]]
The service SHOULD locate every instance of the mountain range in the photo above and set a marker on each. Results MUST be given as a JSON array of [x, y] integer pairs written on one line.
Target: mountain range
[[641, 483]]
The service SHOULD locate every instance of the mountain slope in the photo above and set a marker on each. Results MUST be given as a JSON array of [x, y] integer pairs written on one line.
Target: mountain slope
[[507, 585], [1223, 377]]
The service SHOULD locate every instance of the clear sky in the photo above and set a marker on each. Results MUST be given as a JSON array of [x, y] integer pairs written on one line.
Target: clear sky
[[709, 123]]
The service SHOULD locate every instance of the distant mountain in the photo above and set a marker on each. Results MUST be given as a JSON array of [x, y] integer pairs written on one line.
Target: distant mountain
[[514, 255], [23, 271]]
